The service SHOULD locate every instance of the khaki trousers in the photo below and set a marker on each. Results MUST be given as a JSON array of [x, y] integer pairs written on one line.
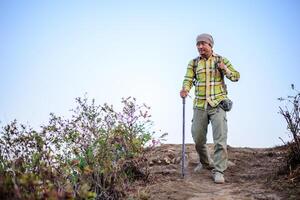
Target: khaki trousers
[[201, 119]]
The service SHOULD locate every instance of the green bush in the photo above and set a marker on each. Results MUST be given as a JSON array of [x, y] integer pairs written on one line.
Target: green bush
[[92, 155]]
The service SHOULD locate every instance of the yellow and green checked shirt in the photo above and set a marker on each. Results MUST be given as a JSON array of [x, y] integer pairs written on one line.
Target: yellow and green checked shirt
[[209, 88]]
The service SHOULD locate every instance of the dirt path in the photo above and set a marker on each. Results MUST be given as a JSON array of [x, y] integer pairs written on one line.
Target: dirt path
[[247, 179]]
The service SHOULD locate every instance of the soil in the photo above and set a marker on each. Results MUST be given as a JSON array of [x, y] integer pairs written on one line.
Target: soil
[[254, 173]]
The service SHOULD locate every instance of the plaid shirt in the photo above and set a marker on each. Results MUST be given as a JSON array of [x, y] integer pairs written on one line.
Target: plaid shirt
[[209, 88]]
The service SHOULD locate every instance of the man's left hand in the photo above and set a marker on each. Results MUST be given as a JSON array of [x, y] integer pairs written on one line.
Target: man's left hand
[[222, 66]]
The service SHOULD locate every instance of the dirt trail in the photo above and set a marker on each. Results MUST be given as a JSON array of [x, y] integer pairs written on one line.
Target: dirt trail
[[247, 179]]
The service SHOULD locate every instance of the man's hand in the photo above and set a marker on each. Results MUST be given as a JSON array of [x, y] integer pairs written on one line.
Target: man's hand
[[222, 66], [183, 93]]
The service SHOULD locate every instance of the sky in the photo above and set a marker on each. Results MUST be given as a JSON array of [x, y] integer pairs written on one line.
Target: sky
[[54, 51]]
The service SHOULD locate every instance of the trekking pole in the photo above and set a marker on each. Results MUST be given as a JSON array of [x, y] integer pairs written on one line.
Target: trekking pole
[[183, 137]]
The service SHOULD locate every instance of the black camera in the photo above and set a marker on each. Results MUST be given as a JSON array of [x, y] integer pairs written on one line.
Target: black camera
[[226, 104]]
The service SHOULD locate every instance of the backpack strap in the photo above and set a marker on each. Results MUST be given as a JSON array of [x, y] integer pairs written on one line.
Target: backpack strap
[[195, 65], [219, 60]]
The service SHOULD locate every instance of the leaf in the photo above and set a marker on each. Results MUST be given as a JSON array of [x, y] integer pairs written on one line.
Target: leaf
[[87, 170], [163, 135], [75, 162]]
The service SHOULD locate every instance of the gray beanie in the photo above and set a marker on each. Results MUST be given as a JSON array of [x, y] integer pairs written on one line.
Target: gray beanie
[[205, 38]]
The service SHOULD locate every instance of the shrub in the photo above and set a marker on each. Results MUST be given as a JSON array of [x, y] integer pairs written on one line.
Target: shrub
[[291, 114], [92, 155]]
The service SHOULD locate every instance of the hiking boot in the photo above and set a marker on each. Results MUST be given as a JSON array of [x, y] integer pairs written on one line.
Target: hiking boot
[[230, 164], [198, 168], [218, 177]]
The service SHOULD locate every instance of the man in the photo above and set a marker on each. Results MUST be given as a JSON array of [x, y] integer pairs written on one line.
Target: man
[[207, 73]]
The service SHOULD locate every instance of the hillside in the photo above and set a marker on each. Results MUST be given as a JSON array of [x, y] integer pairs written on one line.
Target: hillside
[[257, 173]]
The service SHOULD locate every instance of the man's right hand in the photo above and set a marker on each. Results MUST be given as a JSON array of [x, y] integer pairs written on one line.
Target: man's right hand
[[183, 93]]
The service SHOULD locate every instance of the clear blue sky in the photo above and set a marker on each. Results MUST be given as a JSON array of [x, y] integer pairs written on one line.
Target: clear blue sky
[[54, 51]]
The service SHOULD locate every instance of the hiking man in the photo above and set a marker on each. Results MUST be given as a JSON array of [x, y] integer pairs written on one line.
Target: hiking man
[[206, 73]]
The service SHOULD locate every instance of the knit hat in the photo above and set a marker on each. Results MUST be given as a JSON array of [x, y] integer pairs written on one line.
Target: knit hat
[[205, 38]]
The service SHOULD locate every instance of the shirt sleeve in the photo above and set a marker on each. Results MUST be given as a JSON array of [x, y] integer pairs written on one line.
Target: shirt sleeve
[[189, 76], [231, 73]]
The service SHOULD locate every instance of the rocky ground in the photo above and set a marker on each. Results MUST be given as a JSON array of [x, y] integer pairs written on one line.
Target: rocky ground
[[257, 173]]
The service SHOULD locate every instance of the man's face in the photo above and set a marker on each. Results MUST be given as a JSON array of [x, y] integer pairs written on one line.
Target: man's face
[[204, 49]]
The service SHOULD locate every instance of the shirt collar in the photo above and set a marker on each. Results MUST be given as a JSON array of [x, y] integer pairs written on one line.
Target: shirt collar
[[212, 55]]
